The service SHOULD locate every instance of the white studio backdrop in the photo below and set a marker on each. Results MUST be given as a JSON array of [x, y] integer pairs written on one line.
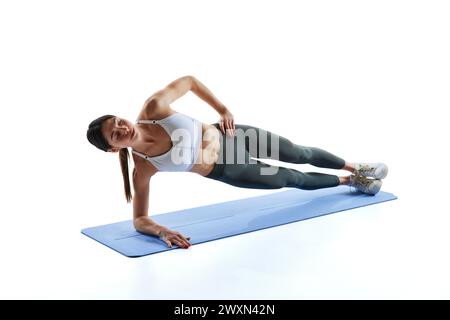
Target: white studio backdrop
[[368, 81]]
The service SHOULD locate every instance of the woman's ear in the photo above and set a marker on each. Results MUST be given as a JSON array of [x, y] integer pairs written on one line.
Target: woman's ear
[[114, 150]]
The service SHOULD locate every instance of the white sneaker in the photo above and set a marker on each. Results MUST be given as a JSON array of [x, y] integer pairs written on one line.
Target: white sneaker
[[375, 170], [363, 184]]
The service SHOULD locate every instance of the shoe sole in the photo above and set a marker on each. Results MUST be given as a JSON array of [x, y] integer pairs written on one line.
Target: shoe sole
[[377, 188], [371, 191], [383, 173]]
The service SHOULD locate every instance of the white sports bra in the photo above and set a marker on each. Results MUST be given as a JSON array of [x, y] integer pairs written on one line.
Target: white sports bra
[[186, 135]]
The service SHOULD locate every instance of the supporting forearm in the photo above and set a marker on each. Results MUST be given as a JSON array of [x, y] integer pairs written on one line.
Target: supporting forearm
[[206, 95], [147, 226]]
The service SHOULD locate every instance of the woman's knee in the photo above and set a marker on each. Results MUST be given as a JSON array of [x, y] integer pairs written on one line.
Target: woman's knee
[[286, 177], [302, 154]]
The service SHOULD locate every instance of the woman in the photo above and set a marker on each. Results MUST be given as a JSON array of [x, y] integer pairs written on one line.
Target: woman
[[165, 140]]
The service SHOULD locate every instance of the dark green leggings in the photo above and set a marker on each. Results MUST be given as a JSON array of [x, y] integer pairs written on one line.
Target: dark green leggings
[[236, 167]]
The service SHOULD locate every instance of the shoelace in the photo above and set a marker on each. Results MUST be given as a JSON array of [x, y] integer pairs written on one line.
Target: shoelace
[[359, 180], [365, 168]]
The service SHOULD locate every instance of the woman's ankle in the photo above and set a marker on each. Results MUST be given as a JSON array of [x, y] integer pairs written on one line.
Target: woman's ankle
[[349, 167], [344, 180]]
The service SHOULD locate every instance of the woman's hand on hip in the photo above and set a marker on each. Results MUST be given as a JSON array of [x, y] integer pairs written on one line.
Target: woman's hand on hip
[[226, 122], [174, 237]]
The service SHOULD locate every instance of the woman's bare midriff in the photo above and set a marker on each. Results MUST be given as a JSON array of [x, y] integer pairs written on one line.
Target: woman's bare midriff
[[210, 150], [207, 156]]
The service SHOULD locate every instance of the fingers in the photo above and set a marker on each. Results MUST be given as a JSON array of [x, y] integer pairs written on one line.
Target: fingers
[[168, 243], [231, 126], [176, 241], [227, 126], [187, 241], [180, 242], [184, 238], [184, 241], [176, 238], [221, 126]]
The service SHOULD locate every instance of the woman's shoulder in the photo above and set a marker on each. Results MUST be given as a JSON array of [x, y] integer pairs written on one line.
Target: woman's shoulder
[[153, 110], [143, 168]]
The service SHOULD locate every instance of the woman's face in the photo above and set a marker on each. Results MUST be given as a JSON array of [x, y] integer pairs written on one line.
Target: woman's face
[[119, 133]]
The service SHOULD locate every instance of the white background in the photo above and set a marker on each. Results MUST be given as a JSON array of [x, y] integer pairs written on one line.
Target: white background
[[366, 80]]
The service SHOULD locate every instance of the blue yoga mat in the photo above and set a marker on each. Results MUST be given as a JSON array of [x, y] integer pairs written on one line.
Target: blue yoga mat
[[235, 217]]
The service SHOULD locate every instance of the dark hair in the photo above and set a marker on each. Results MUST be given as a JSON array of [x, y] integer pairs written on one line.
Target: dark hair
[[94, 133], [95, 136]]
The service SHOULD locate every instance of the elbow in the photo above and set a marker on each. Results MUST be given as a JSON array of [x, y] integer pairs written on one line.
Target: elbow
[[193, 81]]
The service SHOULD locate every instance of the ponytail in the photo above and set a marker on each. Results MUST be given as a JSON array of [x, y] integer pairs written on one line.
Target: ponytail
[[123, 156]]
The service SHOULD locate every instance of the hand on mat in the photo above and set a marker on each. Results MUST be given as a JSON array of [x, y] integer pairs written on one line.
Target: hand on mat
[[227, 122], [174, 237]]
